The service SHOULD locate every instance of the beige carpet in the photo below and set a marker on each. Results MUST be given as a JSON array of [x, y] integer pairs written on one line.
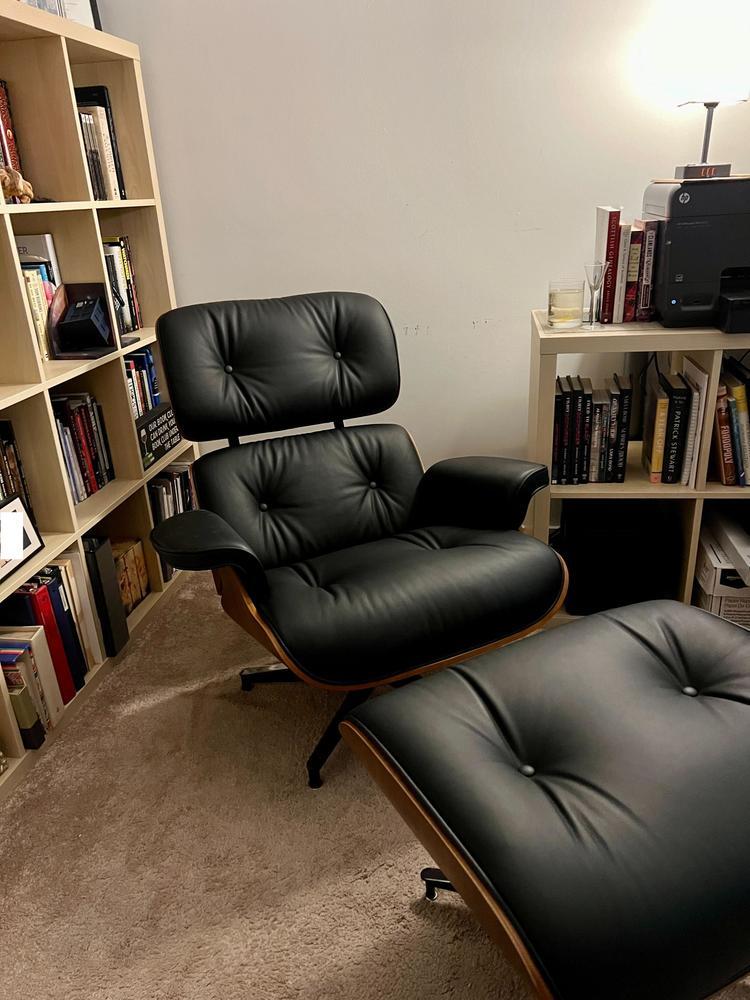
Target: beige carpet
[[167, 847]]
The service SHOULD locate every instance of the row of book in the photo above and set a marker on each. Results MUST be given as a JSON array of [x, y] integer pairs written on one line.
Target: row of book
[[84, 443], [591, 429], [630, 251], [41, 275], [121, 273], [100, 143], [59, 626], [171, 492], [143, 384], [12, 477], [731, 447], [674, 409]]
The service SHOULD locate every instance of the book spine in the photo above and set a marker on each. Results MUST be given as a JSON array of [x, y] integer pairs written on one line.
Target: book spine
[[566, 437], [734, 427], [676, 428], [614, 413], [660, 436], [690, 441], [623, 260], [739, 392], [104, 144], [644, 309], [588, 406], [623, 428], [79, 430], [596, 443], [631, 279], [130, 278], [6, 120], [153, 378], [556, 435], [92, 444], [105, 440], [723, 441], [610, 278], [577, 438]]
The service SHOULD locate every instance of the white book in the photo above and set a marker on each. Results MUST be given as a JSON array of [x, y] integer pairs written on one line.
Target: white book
[[695, 373], [743, 421], [36, 248], [10, 735], [623, 258], [78, 484], [83, 605], [692, 430], [34, 635], [106, 155], [115, 252]]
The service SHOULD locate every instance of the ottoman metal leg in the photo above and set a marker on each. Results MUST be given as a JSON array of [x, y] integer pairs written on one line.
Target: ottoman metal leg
[[433, 880]]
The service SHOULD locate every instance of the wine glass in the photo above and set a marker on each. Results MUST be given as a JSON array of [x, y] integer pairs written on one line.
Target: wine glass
[[595, 276]]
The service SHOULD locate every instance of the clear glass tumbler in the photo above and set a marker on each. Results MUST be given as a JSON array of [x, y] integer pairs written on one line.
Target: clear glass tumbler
[[565, 310]]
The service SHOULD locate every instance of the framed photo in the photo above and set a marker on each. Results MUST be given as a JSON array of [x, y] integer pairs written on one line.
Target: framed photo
[[31, 541], [84, 11]]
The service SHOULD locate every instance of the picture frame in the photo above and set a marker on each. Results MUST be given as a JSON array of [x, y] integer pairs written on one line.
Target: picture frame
[[32, 540], [83, 11]]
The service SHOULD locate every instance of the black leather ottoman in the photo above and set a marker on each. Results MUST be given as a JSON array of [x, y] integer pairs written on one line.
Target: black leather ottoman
[[587, 791]]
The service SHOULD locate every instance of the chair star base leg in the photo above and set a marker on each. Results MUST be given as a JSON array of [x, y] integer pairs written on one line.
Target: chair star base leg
[[330, 738], [272, 675], [434, 880]]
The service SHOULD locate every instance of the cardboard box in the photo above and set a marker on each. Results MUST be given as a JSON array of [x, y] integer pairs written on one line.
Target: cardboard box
[[715, 572], [733, 609], [735, 541]]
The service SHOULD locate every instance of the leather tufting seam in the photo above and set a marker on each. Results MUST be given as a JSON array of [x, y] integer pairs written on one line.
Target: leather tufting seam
[[592, 787], [651, 647], [500, 724]]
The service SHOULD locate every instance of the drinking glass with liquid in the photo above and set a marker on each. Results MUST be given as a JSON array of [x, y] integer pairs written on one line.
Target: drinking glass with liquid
[[565, 310]]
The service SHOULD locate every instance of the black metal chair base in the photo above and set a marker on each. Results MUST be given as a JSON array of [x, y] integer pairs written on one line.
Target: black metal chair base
[[434, 880], [272, 675], [331, 737]]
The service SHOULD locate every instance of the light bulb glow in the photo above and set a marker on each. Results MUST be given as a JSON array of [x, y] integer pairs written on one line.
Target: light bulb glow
[[688, 51]]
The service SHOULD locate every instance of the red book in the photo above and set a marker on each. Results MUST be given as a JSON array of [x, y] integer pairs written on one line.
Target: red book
[[6, 120], [45, 616], [644, 310], [80, 432], [631, 278], [607, 249]]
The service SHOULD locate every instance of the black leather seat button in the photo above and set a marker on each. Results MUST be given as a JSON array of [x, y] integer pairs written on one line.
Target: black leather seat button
[[690, 690], [527, 770], [337, 355], [228, 369], [373, 485], [263, 506]]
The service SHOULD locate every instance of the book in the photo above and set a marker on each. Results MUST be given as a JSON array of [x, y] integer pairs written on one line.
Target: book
[[11, 155], [29, 724], [634, 264], [36, 248], [92, 155], [113, 257], [52, 577], [556, 434], [623, 263], [33, 639], [677, 419], [576, 430], [696, 377], [566, 439], [13, 480], [106, 153], [737, 390], [127, 284], [31, 605], [101, 566], [17, 661], [620, 458], [99, 96], [84, 442], [734, 428], [723, 451], [606, 249], [613, 391], [79, 589], [692, 430], [644, 311], [655, 431], [588, 406], [599, 431]]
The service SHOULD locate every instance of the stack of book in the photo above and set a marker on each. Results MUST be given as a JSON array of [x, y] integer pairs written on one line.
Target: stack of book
[[12, 477], [100, 143], [9, 155], [630, 251], [83, 439], [591, 430], [121, 273], [731, 450], [143, 385], [170, 493], [674, 409], [41, 275]]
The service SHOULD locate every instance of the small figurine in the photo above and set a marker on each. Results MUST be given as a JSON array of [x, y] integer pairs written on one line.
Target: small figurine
[[14, 186]]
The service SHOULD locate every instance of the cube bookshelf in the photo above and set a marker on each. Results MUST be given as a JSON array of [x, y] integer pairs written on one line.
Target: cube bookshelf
[[705, 346], [42, 58]]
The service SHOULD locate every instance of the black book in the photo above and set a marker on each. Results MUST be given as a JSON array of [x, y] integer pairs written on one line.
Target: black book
[[116, 297], [92, 155], [588, 419], [625, 385], [613, 391], [51, 576], [101, 567], [557, 434], [677, 424], [576, 430], [99, 97], [565, 432]]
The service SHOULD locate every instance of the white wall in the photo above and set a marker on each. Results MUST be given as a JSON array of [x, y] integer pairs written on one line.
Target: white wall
[[444, 156]]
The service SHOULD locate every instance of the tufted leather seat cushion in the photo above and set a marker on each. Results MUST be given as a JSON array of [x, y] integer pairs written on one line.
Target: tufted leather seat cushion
[[390, 605], [623, 860]]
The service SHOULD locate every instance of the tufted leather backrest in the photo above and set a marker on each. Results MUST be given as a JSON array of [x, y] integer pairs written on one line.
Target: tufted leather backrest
[[249, 367], [299, 496]]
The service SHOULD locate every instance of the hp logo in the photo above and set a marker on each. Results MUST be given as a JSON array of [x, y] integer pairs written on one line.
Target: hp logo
[[684, 198]]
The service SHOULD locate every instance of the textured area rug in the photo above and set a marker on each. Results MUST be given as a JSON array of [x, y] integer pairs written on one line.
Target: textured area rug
[[167, 847]]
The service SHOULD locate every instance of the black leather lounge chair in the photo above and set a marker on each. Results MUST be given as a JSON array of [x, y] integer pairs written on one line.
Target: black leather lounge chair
[[587, 791], [334, 548]]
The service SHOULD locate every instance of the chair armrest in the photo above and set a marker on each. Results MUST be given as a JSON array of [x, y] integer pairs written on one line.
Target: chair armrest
[[478, 492], [200, 539]]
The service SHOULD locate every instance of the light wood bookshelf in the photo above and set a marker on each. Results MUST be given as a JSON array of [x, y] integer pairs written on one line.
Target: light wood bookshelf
[[705, 346], [43, 57]]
